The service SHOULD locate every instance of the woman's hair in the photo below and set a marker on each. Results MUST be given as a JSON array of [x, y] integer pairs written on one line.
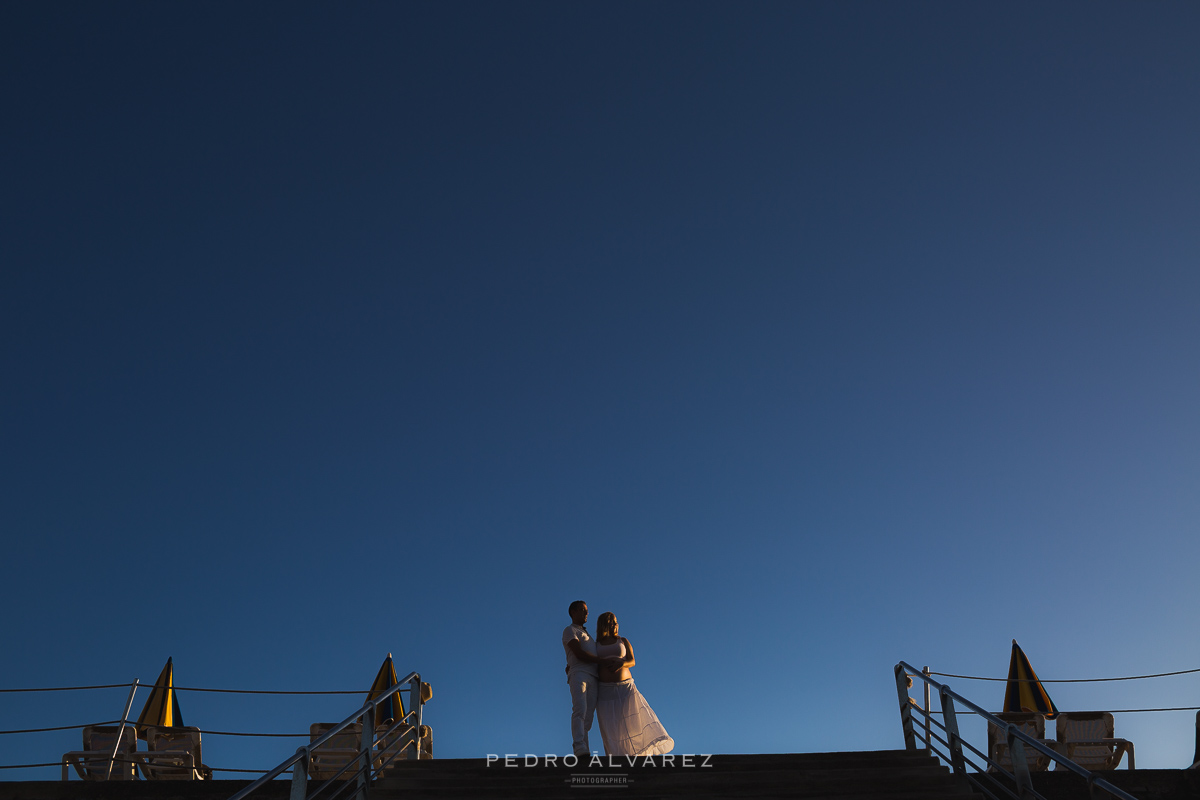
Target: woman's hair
[[606, 624]]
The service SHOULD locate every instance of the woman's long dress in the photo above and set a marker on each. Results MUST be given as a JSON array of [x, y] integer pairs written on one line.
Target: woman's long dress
[[628, 725]]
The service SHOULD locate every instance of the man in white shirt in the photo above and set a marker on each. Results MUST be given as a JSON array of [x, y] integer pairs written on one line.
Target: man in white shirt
[[582, 675]]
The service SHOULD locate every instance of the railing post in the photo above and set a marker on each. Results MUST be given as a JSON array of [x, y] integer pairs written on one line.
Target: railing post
[[951, 719], [368, 741], [1016, 751], [121, 731], [910, 739], [300, 776], [1196, 758], [928, 711], [412, 733], [417, 703]]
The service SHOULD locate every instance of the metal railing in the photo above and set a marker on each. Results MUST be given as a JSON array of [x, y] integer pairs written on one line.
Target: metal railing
[[985, 777], [376, 751], [85, 761]]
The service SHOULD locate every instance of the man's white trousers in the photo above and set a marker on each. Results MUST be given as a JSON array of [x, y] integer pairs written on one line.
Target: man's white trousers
[[585, 689]]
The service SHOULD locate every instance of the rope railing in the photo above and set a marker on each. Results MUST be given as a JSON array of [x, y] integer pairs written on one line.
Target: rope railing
[[64, 727], [118, 722], [214, 769], [72, 688], [1067, 680], [183, 689], [1124, 710], [266, 691], [360, 691], [265, 735]]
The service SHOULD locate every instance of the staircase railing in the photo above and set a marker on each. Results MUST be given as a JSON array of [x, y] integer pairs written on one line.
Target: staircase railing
[[375, 753], [985, 776]]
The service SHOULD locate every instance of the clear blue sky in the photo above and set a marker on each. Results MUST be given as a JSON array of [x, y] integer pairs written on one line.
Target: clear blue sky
[[804, 337]]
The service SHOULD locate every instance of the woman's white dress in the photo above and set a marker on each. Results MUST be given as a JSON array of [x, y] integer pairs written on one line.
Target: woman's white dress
[[628, 725]]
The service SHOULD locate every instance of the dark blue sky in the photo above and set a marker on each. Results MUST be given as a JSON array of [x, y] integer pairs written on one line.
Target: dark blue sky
[[805, 337]]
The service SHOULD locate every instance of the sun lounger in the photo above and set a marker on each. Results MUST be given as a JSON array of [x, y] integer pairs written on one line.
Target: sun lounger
[[94, 760], [1031, 724], [173, 755], [1086, 737]]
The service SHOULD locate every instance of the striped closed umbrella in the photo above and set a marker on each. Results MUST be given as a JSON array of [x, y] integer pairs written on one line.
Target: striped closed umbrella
[[1024, 691], [162, 706], [391, 709]]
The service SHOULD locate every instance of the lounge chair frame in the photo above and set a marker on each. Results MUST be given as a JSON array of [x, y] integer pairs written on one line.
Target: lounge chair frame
[[1112, 746], [173, 754], [108, 754], [1000, 751]]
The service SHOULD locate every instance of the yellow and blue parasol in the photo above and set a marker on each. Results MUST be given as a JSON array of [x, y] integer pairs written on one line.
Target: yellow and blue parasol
[[162, 706], [1025, 692], [391, 709]]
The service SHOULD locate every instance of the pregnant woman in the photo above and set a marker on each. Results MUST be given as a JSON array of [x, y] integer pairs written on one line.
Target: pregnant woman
[[628, 725]]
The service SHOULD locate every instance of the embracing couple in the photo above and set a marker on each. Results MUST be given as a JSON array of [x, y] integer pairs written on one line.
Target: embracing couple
[[598, 673]]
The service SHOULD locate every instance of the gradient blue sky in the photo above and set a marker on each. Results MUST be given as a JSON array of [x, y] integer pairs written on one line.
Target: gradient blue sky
[[805, 337]]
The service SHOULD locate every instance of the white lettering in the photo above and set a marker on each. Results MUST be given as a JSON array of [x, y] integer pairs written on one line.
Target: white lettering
[[527, 757], [706, 760], [595, 762], [551, 760], [611, 764], [510, 759], [631, 760], [669, 757], [649, 762], [574, 761], [492, 757], [687, 759]]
